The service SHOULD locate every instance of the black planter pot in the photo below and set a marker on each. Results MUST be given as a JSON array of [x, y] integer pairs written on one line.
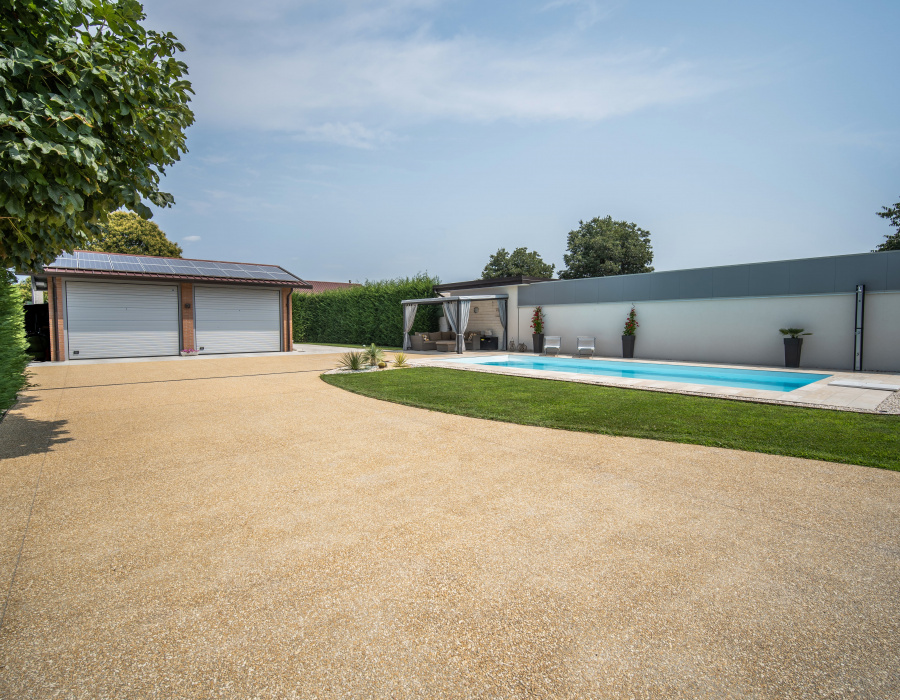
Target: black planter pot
[[538, 340], [628, 345], [792, 347]]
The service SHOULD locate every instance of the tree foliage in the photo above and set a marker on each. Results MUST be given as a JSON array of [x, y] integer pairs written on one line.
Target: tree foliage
[[126, 232], [370, 313], [520, 262], [603, 247], [891, 241], [93, 107]]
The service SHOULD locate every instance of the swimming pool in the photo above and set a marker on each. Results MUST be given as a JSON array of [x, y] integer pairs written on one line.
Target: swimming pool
[[688, 374]]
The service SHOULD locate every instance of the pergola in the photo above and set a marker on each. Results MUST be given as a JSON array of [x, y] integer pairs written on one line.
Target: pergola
[[456, 309]]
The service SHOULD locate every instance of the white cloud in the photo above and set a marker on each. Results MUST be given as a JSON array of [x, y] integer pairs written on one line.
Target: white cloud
[[353, 134], [588, 12], [361, 73], [191, 239]]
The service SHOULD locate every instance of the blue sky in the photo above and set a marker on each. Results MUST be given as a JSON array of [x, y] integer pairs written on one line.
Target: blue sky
[[364, 140]]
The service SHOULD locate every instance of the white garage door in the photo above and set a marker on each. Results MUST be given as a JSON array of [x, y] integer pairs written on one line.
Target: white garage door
[[235, 319], [109, 319]]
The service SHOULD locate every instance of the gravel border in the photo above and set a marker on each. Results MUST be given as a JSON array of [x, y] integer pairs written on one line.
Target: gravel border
[[890, 406]]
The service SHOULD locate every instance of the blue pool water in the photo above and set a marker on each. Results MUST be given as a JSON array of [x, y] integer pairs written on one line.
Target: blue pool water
[[688, 374]]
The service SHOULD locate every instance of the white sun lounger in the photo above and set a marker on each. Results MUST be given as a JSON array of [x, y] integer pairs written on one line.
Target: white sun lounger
[[584, 346], [552, 343]]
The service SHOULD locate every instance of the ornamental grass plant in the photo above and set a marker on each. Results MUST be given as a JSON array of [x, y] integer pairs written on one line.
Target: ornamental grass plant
[[373, 355], [353, 361]]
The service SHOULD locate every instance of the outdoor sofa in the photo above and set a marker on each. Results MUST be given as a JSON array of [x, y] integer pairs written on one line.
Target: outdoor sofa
[[429, 341], [444, 340]]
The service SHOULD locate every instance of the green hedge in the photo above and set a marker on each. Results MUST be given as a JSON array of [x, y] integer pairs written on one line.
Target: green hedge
[[363, 315], [13, 359]]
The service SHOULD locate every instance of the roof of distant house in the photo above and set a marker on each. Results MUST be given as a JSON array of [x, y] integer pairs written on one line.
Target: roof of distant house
[[317, 287], [492, 282]]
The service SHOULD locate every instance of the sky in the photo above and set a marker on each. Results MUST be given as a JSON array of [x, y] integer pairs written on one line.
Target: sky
[[366, 139]]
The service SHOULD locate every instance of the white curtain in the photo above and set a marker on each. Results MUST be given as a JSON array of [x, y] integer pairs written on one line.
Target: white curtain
[[463, 323], [409, 315], [501, 306], [450, 315]]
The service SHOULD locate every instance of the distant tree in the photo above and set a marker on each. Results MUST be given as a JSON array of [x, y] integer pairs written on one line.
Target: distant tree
[[93, 108], [603, 247], [126, 232], [24, 289], [520, 262], [892, 240]]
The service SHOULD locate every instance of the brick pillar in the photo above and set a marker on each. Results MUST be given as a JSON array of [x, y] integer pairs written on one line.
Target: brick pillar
[[288, 324], [57, 327], [187, 315]]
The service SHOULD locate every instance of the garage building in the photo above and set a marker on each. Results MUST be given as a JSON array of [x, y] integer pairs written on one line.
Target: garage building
[[105, 305]]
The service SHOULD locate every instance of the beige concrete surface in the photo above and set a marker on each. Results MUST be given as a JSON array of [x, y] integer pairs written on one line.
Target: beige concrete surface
[[237, 528]]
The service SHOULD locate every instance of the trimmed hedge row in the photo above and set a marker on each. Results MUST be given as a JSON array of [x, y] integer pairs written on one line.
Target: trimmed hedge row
[[363, 315], [13, 359]]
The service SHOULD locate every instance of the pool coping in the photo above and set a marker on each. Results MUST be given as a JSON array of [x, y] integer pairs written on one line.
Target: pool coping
[[819, 394]]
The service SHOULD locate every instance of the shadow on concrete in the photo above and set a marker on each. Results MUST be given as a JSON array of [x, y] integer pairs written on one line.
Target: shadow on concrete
[[181, 379], [21, 436]]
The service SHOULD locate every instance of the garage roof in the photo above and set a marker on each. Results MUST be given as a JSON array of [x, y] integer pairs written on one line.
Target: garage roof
[[83, 262]]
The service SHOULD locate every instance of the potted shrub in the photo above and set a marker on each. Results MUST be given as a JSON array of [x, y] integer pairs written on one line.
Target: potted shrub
[[631, 325], [793, 344], [537, 330]]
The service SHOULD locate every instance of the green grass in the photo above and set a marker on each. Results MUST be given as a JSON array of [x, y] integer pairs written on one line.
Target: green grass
[[834, 436], [348, 345]]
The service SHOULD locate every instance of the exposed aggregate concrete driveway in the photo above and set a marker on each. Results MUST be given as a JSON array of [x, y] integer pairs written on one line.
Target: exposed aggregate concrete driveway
[[237, 528]]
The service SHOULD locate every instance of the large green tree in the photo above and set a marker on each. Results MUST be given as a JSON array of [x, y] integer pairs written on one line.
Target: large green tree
[[520, 262], [603, 247], [126, 232], [93, 108], [891, 241]]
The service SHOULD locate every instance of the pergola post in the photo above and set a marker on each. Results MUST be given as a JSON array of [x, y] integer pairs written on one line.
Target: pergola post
[[460, 332]]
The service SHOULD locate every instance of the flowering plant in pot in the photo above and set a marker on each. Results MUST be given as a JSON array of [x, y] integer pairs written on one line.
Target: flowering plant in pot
[[793, 344], [628, 334], [537, 329], [187, 352]]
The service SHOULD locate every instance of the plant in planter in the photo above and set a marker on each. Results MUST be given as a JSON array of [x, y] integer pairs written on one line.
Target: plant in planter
[[537, 330], [187, 352], [793, 344], [628, 334]]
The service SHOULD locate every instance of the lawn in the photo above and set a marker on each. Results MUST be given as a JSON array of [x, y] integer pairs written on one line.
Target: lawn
[[834, 436]]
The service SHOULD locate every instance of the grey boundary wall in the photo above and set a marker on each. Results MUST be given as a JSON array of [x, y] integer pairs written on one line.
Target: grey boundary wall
[[833, 275]]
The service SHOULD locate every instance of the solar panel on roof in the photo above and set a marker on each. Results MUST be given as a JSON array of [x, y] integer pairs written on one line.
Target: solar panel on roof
[[183, 266], [137, 264], [157, 269], [132, 259], [94, 265], [127, 267]]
